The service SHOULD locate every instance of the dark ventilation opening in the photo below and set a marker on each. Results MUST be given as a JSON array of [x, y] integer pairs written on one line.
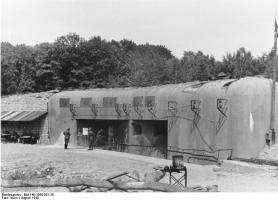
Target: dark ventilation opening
[[198, 85], [64, 102], [85, 102], [194, 87], [229, 83]]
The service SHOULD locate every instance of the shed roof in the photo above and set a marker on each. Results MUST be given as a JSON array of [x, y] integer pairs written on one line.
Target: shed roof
[[21, 115]]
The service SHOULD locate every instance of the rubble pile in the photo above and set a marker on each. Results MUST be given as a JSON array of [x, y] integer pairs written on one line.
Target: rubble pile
[[270, 153], [46, 175]]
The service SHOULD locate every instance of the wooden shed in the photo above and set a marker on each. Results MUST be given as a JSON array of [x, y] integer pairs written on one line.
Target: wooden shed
[[26, 114]]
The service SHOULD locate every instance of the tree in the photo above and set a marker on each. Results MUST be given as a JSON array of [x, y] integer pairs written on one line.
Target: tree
[[73, 62], [18, 69], [46, 68], [265, 64], [241, 64], [197, 66], [66, 54]]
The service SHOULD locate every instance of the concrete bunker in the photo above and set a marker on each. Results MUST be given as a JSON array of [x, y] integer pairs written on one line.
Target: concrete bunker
[[201, 117], [109, 133], [149, 137], [144, 137]]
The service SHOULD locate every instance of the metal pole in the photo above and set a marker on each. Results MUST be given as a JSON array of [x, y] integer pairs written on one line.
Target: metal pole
[[176, 73], [272, 118]]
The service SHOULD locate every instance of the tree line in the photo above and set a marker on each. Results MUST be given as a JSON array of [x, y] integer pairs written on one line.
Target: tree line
[[72, 62]]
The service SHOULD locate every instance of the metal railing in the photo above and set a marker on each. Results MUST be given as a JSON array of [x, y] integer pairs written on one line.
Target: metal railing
[[212, 156], [121, 147], [205, 155]]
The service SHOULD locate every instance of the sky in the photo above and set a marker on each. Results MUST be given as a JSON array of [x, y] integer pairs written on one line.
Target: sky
[[214, 27]]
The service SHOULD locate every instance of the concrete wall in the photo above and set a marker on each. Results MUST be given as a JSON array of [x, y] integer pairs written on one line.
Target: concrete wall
[[44, 137], [250, 116], [152, 144], [208, 130]]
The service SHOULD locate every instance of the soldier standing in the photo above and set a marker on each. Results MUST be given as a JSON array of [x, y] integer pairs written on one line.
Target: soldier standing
[[125, 146], [110, 137], [67, 137], [267, 138], [91, 137], [99, 137]]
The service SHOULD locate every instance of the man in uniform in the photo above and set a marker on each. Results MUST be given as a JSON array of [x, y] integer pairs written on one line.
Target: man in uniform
[[99, 138], [125, 140], [14, 136], [91, 137], [110, 137], [67, 137]]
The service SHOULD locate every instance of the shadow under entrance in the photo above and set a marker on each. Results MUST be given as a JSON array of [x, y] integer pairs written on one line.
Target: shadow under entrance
[[108, 133], [148, 137], [143, 137]]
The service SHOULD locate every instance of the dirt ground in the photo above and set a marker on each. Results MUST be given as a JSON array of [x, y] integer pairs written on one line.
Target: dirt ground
[[270, 153], [231, 177]]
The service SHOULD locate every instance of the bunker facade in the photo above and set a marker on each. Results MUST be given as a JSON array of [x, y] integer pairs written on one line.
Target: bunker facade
[[223, 118]]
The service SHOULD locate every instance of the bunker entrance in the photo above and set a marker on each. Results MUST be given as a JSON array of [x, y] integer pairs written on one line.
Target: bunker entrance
[[144, 137], [108, 133], [149, 137]]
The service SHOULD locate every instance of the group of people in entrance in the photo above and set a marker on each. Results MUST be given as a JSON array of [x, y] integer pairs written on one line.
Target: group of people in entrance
[[93, 136]]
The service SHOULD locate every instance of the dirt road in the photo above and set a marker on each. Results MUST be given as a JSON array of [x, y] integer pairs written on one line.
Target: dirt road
[[101, 163]]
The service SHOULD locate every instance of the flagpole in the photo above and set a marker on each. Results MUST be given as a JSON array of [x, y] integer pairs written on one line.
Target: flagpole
[[272, 119]]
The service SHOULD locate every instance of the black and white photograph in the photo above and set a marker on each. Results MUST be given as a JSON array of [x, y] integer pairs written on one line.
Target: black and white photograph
[[142, 97]]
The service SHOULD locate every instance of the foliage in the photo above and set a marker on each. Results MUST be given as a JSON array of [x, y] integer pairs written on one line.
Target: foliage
[[73, 62]]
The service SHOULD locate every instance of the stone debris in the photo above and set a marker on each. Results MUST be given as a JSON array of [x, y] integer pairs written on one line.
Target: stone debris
[[221, 174], [153, 176], [98, 164], [44, 170], [77, 188], [269, 153], [115, 190], [91, 189], [38, 176], [103, 189], [216, 169], [212, 188], [139, 176]]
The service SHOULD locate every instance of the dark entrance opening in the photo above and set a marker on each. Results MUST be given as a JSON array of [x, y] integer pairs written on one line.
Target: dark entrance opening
[[109, 133], [144, 137], [149, 137], [21, 131]]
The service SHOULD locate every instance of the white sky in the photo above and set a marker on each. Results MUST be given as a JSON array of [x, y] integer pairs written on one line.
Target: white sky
[[212, 26]]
